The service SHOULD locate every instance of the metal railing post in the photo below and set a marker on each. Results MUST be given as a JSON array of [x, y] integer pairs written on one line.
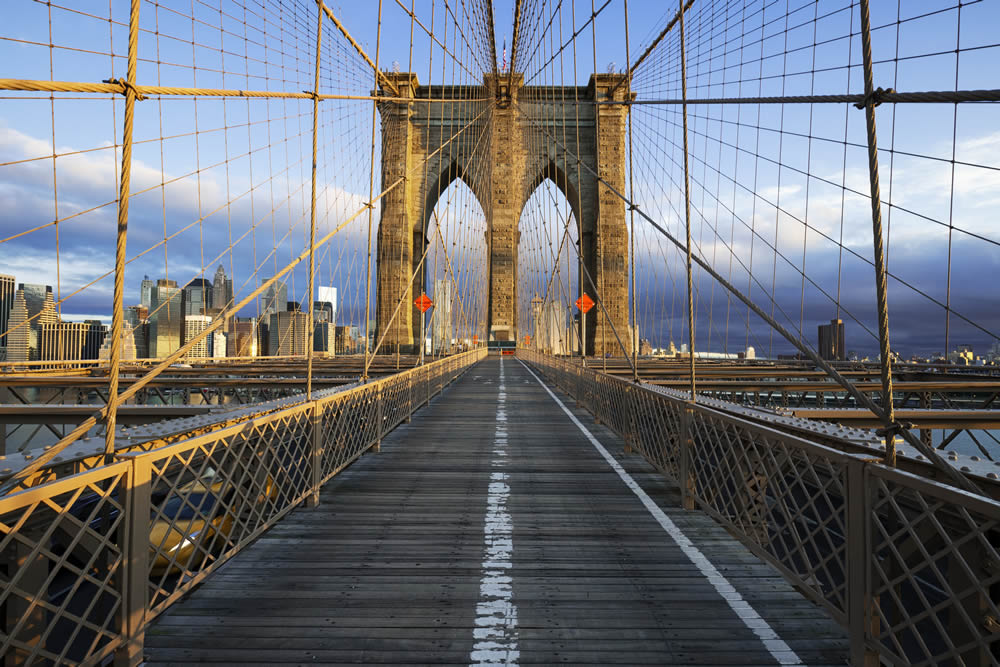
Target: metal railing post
[[409, 398], [685, 440], [379, 417], [630, 411], [135, 559], [860, 611], [316, 453]]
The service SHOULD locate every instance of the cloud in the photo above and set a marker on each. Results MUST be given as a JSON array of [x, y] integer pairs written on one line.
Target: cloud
[[182, 219]]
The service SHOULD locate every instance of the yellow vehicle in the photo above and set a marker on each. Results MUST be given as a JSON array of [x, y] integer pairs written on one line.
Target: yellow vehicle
[[192, 523]]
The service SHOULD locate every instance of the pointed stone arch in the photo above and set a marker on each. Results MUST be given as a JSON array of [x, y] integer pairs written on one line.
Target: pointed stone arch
[[503, 157]]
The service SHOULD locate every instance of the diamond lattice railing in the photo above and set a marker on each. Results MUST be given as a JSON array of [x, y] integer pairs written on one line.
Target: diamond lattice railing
[[934, 572], [786, 497], [71, 546], [918, 582], [63, 555]]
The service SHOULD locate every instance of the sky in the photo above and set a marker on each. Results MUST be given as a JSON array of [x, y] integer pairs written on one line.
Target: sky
[[228, 182]]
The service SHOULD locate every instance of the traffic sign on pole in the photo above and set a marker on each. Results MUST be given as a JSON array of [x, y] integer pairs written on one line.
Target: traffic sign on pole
[[584, 303], [423, 303]]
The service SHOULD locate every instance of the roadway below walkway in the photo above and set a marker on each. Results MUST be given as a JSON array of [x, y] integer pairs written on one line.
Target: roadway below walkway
[[497, 528]]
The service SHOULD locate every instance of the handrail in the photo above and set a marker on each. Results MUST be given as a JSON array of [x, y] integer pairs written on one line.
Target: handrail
[[908, 564], [102, 552]]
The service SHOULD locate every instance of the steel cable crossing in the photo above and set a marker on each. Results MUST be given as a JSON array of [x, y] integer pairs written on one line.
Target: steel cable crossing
[[720, 36]]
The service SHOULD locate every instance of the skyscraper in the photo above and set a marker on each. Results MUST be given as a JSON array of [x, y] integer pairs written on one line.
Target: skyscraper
[[328, 295], [19, 334], [273, 300], [23, 325], [69, 341], [196, 296], [7, 290], [165, 319], [287, 332], [146, 292], [831, 343], [194, 325], [441, 328], [137, 317], [129, 350], [322, 311], [222, 290], [241, 339], [217, 344], [324, 337]]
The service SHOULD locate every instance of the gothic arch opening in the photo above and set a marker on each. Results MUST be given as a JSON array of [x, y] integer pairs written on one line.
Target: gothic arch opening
[[548, 268], [454, 273]]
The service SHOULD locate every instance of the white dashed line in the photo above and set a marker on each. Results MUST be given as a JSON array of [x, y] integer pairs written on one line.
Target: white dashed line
[[496, 613]]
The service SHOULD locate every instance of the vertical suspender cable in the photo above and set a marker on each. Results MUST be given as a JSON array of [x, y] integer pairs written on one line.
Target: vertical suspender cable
[[687, 204], [371, 195], [631, 234], [880, 272], [310, 331], [117, 308]]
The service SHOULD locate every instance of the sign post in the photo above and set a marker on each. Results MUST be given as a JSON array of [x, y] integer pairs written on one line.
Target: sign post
[[423, 304], [584, 303]]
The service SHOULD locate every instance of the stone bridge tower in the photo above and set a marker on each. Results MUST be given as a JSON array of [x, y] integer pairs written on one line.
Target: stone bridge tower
[[514, 140]]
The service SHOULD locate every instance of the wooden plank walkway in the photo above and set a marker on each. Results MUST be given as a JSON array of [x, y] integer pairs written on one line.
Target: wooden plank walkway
[[492, 530]]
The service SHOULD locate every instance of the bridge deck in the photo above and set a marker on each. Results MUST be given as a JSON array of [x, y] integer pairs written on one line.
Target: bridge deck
[[493, 528]]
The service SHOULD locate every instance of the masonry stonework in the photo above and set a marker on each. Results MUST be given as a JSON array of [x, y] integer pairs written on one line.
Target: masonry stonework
[[503, 149]]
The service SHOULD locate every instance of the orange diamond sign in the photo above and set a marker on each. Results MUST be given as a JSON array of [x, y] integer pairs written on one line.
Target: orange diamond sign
[[584, 303], [475, 339], [423, 302]]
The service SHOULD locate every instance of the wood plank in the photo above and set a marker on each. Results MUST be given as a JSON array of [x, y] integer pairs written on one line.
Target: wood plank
[[388, 568]]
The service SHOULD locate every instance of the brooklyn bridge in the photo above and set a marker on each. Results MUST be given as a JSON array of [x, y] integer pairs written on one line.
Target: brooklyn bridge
[[492, 333]]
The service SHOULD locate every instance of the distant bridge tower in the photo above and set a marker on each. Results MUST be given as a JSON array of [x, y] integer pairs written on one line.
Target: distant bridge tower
[[503, 156]]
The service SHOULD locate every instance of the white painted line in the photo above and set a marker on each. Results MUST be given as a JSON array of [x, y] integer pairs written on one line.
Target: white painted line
[[496, 613], [778, 649]]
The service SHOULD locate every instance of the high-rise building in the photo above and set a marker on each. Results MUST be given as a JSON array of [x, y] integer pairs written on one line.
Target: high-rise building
[[241, 338], [70, 341], [140, 339], [195, 297], [7, 290], [441, 323], [273, 300], [19, 331], [287, 333], [136, 315], [222, 290], [328, 295], [322, 311], [263, 339], [324, 337], [194, 325], [23, 325], [129, 350], [217, 344], [166, 320], [831, 341], [549, 332], [146, 292]]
